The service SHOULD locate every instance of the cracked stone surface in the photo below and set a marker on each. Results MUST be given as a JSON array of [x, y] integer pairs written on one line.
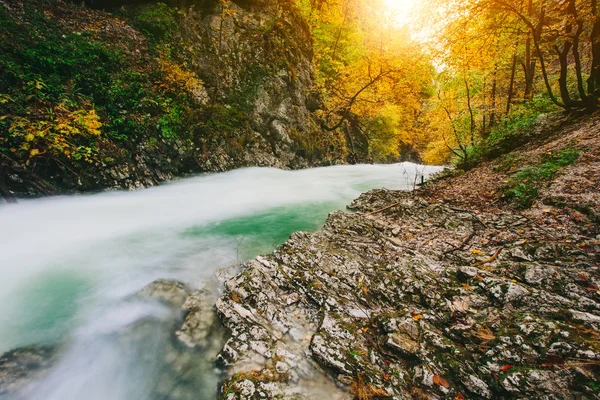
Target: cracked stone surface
[[421, 300]]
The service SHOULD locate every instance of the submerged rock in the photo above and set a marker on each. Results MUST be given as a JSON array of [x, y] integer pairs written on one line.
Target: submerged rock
[[20, 367], [170, 292], [200, 319], [417, 300]]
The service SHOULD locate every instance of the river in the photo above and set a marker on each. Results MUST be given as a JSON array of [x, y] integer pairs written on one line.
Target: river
[[71, 266]]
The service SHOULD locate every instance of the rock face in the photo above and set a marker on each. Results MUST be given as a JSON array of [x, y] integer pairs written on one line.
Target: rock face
[[417, 300], [257, 57]]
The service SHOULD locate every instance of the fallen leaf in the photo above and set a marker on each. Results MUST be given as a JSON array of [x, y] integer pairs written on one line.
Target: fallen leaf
[[506, 368], [417, 317], [438, 380], [386, 377], [459, 396]]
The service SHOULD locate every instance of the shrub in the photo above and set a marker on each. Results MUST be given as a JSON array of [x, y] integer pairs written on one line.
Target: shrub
[[524, 186]]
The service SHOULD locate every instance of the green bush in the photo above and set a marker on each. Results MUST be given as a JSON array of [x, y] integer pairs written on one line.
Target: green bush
[[157, 20], [524, 185]]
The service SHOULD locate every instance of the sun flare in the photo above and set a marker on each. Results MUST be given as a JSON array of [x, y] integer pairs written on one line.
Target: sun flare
[[401, 10]]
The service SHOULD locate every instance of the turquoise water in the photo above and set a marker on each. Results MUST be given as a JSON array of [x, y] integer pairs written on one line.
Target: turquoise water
[[260, 233], [71, 266]]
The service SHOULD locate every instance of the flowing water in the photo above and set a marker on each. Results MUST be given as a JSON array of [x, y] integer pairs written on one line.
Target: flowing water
[[71, 266]]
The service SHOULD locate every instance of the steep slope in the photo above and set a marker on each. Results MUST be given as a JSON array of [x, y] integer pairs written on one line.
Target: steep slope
[[91, 99]]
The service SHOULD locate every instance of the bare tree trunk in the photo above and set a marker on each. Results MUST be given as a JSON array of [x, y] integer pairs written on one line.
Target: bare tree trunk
[[339, 35], [577, 59], [529, 64], [493, 97], [485, 109], [537, 35], [593, 81], [471, 114], [511, 86]]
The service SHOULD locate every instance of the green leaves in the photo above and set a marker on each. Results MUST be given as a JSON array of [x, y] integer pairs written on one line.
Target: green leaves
[[525, 184]]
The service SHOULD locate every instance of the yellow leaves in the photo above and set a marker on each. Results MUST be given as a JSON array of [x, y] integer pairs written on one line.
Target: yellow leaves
[[52, 131], [4, 98], [485, 334], [417, 317], [366, 391], [477, 252], [365, 290], [90, 121], [178, 78]]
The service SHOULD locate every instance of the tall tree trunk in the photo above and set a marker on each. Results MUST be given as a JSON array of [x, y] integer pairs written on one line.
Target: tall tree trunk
[[537, 35], [471, 114], [339, 35], [511, 86], [577, 59], [563, 57], [484, 127], [529, 64], [493, 98], [593, 81]]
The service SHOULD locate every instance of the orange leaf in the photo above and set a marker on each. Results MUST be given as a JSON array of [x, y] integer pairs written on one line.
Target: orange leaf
[[459, 396], [417, 317], [438, 380], [506, 368], [386, 377]]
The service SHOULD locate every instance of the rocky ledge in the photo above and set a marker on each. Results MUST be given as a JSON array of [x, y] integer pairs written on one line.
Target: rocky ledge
[[413, 298]]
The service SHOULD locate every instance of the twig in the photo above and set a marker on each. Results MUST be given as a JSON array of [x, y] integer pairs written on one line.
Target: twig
[[428, 241], [462, 245], [489, 260], [383, 209]]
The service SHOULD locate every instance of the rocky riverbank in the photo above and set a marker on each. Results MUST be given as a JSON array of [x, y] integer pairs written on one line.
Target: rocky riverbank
[[451, 291], [421, 300]]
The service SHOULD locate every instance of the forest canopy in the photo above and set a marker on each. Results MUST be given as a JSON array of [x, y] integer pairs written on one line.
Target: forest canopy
[[460, 80]]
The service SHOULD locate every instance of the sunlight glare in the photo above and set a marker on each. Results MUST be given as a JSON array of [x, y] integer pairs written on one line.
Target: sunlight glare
[[401, 10]]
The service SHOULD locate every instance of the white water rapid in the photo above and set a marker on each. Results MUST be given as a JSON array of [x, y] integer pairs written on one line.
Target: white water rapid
[[71, 265]]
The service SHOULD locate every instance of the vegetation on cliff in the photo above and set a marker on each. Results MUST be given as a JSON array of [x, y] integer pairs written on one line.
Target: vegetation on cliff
[[91, 99]]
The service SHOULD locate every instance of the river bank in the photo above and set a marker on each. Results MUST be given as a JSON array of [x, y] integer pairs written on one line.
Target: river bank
[[458, 290]]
